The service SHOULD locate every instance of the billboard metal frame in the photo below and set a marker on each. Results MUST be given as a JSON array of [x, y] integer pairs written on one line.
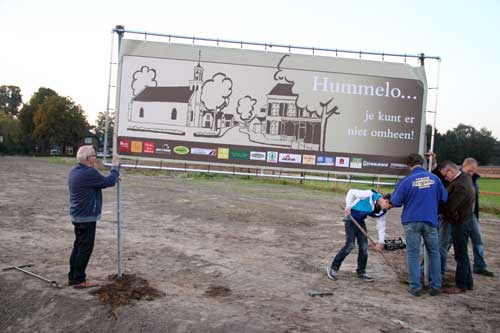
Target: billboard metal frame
[[120, 31]]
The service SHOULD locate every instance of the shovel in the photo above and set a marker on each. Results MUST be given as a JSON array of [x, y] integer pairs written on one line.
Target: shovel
[[20, 268]]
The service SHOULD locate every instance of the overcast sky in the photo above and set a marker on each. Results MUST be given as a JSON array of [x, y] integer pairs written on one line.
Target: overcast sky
[[65, 45]]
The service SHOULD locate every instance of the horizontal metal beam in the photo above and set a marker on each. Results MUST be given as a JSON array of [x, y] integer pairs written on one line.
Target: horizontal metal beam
[[254, 174], [421, 56]]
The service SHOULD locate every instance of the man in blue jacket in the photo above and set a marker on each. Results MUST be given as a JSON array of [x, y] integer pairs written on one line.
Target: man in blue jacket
[[359, 205], [420, 194], [85, 197]]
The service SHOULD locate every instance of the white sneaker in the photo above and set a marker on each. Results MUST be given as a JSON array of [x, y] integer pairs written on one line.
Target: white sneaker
[[331, 273]]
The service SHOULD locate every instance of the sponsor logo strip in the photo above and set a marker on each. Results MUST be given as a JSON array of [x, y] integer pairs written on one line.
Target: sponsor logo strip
[[272, 157], [181, 150], [257, 155], [202, 151], [290, 158], [136, 147], [325, 160], [239, 154], [342, 162], [223, 153]]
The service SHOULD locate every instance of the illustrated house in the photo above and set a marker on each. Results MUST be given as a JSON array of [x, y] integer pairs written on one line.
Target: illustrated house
[[178, 106], [287, 122]]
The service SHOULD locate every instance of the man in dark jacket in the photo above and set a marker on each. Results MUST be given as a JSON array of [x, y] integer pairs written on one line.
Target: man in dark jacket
[[469, 166], [458, 213], [85, 196]]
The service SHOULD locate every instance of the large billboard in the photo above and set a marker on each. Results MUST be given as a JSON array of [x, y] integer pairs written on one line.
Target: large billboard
[[224, 106]]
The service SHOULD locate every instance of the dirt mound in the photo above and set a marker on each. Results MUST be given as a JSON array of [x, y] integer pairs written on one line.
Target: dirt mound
[[121, 290], [217, 291]]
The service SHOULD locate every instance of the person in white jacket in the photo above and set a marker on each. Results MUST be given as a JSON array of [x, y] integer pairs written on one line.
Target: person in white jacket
[[359, 205]]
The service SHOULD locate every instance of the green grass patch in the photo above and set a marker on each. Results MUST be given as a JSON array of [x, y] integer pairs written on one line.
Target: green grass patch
[[56, 159], [489, 184]]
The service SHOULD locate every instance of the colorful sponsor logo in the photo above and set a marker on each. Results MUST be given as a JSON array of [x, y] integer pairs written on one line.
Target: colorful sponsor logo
[[124, 146], [325, 160], [181, 150], [272, 157], [136, 147], [149, 147], [258, 155], [203, 151], [163, 149], [239, 154], [223, 153], [356, 163], [290, 158], [309, 159], [398, 166], [342, 162], [375, 164]]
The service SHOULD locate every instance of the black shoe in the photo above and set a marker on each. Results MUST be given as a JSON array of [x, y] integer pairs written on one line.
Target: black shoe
[[331, 273], [365, 277], [415, 293], [435, 292], [484, 271]]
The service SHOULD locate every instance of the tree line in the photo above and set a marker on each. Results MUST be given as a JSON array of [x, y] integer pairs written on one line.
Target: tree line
[[49, 119]]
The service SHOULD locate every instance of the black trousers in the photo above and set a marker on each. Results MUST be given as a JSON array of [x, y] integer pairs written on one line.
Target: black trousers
[[82, 250], [463, 274]]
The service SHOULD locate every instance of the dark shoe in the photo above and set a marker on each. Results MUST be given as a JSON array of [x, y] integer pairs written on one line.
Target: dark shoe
[[484, 271], [415, 293], [455, 290], [365, 277], [72, 283], [331, 273], [84, 285], [435, 292], [470, 287]]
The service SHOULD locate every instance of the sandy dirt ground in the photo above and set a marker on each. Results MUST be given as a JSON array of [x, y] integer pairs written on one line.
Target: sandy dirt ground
[[230, 255]]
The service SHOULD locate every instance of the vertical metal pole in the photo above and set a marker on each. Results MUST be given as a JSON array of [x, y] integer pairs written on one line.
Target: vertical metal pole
[[119, 224], [120, 31], [435, 112], [106, 128], [426, 255]]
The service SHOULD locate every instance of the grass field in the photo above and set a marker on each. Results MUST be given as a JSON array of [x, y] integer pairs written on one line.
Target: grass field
[[488, 203]]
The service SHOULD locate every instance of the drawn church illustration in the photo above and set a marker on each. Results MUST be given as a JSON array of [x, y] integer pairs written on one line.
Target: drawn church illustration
[[174, 109], [176, 106]]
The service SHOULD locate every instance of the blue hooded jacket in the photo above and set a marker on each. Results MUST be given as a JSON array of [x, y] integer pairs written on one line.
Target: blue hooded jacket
[[85, 195], [420, 193]]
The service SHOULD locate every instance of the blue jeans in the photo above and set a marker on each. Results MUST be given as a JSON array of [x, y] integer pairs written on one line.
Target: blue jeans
[[351, 234], [444, 242], [474, 232], [414, 232]]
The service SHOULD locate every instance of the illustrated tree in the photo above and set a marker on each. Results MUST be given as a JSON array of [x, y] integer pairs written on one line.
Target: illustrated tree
[[312, 103], [215, 95], [245, 109], [144, 77], [10, 99], [58, 120]]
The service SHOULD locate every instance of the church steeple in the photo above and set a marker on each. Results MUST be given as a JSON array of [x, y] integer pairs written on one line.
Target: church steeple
[[198, 70]]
